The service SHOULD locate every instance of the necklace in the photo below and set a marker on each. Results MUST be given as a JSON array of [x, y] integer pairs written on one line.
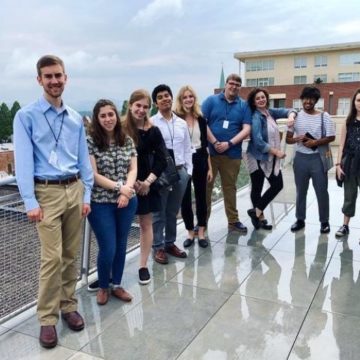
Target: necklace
[[191, 133]]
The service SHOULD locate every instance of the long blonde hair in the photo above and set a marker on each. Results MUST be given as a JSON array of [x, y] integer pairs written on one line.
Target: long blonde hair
[[179, 109], [129, 122]]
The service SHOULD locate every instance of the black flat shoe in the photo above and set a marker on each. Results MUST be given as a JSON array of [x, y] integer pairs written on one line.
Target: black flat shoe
[[188, 243], [254, 219], [203, 243], [325, 228], [264, 225], [298, 225]]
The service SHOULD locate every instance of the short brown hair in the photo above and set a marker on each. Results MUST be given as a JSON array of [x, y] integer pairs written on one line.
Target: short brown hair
[[48, 60], [234, 77]]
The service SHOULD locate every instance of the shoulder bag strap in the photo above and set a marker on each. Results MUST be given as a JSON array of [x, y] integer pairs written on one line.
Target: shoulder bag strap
[[322, 125]]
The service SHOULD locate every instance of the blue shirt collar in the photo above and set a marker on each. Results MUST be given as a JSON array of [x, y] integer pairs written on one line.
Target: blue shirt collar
[[46, 106], [222, 97]]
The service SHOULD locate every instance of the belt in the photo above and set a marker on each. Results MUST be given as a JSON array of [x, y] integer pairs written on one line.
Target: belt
[[178, 167], [66, 181]]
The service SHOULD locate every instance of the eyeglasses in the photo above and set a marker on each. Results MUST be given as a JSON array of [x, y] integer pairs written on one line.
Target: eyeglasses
[[231, 83]]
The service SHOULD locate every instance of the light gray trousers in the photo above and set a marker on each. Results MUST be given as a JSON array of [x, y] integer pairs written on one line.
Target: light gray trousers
[[306, 167]]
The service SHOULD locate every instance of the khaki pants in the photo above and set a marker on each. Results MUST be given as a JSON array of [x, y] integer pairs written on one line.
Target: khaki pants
[[229, 170], [59, 234]]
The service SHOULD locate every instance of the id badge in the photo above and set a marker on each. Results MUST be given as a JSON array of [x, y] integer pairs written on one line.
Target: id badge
[[53, 159], [226, 124]]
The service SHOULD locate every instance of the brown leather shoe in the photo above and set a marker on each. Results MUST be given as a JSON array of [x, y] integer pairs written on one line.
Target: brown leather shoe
[[161, 257], [175, 251], [102, 296], [48, 337], [121, 294], [74, 320]]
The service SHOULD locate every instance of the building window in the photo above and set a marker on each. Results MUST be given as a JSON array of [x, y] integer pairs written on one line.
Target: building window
[[321, 78], [320, 60], [260, 82], [297, 104], [343, 106], [300, 62], [259, 65], [251, 82], [320, 104], [277, 103], [350, 59], [347, 77], [300, 79], [266, 81]]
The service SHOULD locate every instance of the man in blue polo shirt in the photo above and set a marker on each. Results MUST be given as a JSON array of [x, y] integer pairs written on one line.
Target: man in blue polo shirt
[[229, 122]]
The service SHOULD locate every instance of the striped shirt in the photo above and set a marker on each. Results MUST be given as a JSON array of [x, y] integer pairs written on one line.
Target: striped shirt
[[312, 124]]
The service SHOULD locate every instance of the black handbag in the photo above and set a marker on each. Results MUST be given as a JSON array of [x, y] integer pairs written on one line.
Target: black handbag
[[169, 177]]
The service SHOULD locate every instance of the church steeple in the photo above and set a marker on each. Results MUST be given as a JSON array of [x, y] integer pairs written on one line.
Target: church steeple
[[222, 78]]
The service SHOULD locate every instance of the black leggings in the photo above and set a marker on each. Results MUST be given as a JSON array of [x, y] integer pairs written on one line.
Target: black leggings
[[257, 182], [199, 179]]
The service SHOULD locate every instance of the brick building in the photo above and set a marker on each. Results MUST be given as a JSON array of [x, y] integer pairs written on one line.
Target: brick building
[[335, 97], [6, 159], [334, 69]]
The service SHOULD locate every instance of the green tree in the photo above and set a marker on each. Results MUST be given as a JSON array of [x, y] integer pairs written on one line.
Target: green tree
[[5, 123], [14, 109], [124, 107], [153, 110]]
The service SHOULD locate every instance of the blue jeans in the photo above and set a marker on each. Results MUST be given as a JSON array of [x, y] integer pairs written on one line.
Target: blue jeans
[[166, 217], [111, 226]]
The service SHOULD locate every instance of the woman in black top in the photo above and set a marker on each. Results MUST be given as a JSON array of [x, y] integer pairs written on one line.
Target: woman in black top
[[348, 164], [188, 108], [149, 143]]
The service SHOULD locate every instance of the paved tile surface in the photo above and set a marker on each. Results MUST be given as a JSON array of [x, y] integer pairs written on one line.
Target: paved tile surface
[[261, 295]]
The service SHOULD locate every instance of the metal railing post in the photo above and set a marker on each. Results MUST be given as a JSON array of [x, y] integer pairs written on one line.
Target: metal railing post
[[85, 253]]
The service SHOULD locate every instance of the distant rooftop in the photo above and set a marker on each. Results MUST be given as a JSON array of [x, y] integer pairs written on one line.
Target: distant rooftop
[[6, 147], [297, 50]]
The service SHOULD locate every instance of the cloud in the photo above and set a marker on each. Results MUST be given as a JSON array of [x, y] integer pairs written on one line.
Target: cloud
[[161, 60], [156, 10], [347, 28], [21, 63]]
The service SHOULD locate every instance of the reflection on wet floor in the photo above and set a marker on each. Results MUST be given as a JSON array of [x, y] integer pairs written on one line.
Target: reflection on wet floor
[[262, 295]]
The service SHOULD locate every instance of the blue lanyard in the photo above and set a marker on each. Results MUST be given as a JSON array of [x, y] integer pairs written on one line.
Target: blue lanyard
[[52, 131]]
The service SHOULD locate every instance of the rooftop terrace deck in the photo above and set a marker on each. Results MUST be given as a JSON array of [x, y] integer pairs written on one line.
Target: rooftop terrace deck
[[264, 295]]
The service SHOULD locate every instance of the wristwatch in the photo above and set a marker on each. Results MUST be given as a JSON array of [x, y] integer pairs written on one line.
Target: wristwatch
[[118, 186], [230, 144]]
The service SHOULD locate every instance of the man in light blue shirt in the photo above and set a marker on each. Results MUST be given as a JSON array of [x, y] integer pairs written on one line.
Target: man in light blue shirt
[[55, 178]]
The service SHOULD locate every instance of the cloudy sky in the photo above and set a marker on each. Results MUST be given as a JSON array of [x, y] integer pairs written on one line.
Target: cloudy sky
[[112, 47]]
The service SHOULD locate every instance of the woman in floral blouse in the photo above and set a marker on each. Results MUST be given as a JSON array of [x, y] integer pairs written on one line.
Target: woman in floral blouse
[[113, 200]]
